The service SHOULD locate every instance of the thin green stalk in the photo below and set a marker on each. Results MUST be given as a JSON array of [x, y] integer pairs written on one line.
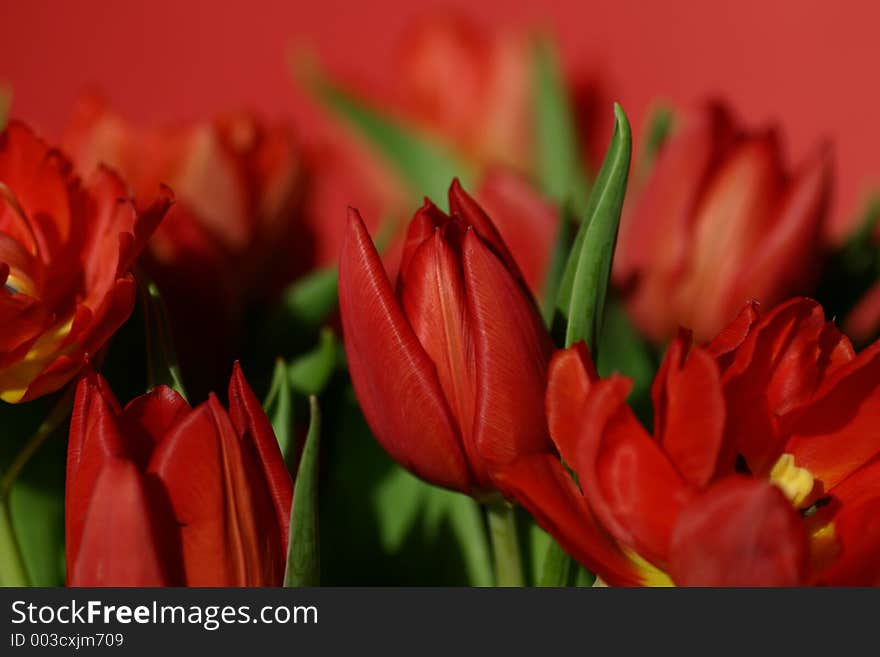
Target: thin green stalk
[[505, 545], [12, 568]]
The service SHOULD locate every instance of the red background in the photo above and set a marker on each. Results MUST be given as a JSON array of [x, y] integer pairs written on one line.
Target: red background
[[809, 64]]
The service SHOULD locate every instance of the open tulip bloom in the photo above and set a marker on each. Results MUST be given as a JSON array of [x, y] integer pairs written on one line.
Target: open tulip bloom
[[159, 494], [65, 251], [762, 469]]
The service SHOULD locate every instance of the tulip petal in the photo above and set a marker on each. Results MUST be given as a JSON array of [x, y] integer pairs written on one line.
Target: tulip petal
[[94, 439], [689, 410], [462, 205], [146, 419], [570, 375], [724, 345], [777, 368], [852, 519], [119, 548], [250, 421], [837, 433], [512, 353], [540, 483], [740, 532], [395, 380], [214, 480], [434, 300], [627, 480]]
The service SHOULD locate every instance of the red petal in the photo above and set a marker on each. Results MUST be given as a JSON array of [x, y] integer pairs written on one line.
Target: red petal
[[512, 353], [740, 532], [146, 419], [94, 440], [723, 345], [540, 483], [689, 410], [629, 483], [776, 369], [434, 300], [783, 261], [462, 205], [863, 321], [395, 380], [426, 219], [526, 222], [250, 421], [731, 220], [854, 514], [121, 545], [221, 499], [837, 433], [570, 377]]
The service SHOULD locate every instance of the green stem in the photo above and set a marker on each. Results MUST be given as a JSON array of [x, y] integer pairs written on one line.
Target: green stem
[[557, 566], [56, 417], [505, 545], [12, 569]]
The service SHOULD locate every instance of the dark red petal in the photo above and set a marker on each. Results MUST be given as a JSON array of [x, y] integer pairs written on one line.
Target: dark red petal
[[627, 480], [215, 483], [740, 532], [689, 410], [540, 483], [120, 545], [250, 421], [94, 440], [146, 419], [462, 205], [512, 353], [435, 303], [395, 380], [723, 345], [426, 219]]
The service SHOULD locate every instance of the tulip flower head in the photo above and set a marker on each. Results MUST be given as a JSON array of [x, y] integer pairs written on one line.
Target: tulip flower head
[[720, 222], [66, 247], [449, 365], [160, 494], [762, 469]]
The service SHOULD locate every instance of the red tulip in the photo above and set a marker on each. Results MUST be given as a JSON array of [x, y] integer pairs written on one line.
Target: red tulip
[[65, 251], [449, 365], [472, 87], [762, 468], [720, 222], [235, 236], [159, 494]]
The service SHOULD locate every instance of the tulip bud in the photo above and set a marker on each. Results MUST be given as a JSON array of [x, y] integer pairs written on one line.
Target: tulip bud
[[449, 365], [720, 222], [165, 495]]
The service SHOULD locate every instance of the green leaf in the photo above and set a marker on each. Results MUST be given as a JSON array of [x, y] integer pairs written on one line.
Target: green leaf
[[279, 409], [310, 372], [162, 365], [303, 552], [5, 103], [560, 174], [585, 282], [310, 300], [425, 165], [659, 125]]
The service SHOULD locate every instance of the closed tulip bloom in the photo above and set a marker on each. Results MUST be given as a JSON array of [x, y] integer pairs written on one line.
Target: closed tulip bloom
[[721, 221], [66, 246], [160, 494], [762, 468], [449, 365]]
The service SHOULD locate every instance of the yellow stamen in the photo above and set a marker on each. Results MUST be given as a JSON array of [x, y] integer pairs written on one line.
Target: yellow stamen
[[795, 482]]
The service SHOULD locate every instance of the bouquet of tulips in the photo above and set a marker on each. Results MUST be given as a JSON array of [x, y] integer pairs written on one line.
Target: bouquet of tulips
[[462, 335]]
